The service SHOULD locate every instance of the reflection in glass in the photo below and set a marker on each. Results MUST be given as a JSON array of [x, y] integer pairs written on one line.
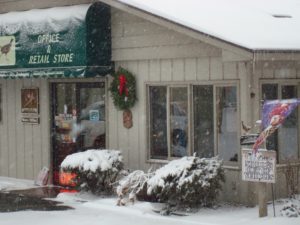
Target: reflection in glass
[[78, 120], [226, 104], [178, 121], [270, 92], [203, 121], [289, 129], [66, 98], [92, 117], [158, 122]]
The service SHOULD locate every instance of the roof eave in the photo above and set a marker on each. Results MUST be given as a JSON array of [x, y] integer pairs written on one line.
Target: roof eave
[[276, 54]]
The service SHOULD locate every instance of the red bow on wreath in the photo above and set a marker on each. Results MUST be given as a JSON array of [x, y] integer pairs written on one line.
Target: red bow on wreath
[[122, 86]]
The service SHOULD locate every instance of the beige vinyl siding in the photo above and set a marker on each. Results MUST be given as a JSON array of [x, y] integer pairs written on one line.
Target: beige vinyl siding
[[4, 155], [156, 54], [136, 39], [24, 148]]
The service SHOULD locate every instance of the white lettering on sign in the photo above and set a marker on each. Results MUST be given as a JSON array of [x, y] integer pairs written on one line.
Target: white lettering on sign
[[38, 59], [260, 167], [48, 38], [62, 58]]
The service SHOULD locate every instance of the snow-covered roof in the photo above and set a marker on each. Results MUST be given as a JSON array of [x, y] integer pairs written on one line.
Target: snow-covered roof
[[251, 24], [41, 15]]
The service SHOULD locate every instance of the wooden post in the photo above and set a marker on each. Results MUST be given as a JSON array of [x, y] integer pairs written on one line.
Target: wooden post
[[262, 199]]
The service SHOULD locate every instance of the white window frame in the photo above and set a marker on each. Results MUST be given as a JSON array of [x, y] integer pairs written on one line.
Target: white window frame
[[189, 85]]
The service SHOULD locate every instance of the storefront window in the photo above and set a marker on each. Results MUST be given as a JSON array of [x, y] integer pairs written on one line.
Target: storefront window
[[92, 117], [289, 129], [286, 150], [203, 121], [170, 125], [158, 122], [66, 98], [270, 92], [179, 121], [227, 117]]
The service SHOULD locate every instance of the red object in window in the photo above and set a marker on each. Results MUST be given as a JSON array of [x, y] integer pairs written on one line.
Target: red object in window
[[67, 179]]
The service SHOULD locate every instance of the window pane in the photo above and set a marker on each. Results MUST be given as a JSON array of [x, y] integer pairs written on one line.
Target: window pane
[[227, 118], [66, 98], [179, 121], [92, 116], [158, 122], [289, 129], [203, 121], [270, 92]]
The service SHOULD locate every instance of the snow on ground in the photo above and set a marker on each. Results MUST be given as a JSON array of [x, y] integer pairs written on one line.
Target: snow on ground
[[15, 184], [92, 210]]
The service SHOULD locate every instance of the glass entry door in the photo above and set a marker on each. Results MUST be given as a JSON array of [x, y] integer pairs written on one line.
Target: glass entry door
[[78, 115]]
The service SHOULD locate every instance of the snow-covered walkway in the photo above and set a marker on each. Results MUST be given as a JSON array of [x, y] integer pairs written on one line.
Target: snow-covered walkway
[[91, 210]]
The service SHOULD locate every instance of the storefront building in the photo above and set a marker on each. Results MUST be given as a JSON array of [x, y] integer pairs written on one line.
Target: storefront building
[[196, 94], [53, 85]]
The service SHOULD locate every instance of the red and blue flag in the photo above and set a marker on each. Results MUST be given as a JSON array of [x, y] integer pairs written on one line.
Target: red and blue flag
[[273, 115]]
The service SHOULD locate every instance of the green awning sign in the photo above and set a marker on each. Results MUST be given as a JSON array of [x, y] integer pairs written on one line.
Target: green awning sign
[[56, 39]]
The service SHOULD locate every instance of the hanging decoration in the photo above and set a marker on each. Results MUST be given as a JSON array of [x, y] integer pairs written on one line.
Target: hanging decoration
[[273, 115], [123, 93], [123, 90], [127, 119]]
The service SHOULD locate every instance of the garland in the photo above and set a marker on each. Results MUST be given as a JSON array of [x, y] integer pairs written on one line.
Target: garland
[[123, 89]]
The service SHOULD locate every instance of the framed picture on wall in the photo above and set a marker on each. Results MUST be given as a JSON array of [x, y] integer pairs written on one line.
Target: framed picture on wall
[[30, 100]]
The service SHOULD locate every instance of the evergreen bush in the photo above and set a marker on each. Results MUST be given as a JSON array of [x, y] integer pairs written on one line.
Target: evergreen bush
[[96, 170], [187, 182]]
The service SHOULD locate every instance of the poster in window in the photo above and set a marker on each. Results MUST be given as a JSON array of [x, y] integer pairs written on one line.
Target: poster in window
[[30, 100]]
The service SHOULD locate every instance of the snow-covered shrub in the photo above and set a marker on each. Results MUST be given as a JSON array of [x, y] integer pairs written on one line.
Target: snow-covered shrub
[[131, 185], [187, 182], [95, 170], [291, 209]]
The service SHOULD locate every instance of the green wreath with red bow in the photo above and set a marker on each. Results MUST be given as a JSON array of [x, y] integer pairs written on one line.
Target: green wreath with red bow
[[123, 90]]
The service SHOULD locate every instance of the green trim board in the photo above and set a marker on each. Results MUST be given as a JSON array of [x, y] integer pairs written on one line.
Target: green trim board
[[74, 41]]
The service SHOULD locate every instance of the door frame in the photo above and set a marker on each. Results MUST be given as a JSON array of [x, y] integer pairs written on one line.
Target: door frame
[[80, 83]]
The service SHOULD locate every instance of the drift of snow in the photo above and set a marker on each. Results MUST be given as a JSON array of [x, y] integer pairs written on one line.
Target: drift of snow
[[91, 160]]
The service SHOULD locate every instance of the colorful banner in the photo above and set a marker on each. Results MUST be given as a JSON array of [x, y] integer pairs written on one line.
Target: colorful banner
[[273, 115]]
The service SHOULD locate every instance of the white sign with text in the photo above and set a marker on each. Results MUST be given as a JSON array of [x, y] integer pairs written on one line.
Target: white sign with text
[[260, 167]]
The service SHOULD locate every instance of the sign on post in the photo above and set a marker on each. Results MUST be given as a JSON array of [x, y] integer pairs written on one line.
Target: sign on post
[[260, 167]]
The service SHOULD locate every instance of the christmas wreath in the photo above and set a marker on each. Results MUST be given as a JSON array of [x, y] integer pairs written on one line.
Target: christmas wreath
[[123, 89]]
